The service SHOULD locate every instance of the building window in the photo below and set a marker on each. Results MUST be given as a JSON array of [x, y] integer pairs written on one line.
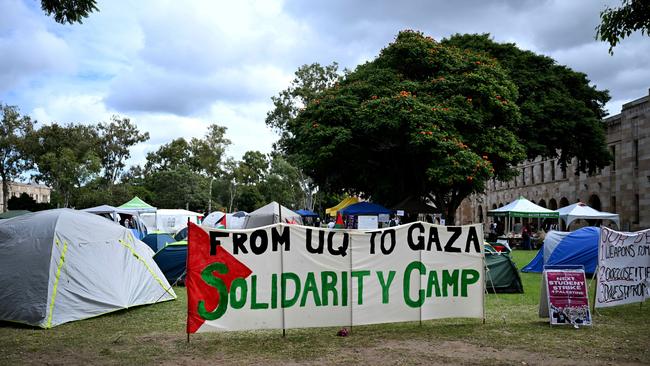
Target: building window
[[612, 204], [612, 150], [541, 176], [523, 176], [553, 170], [636, 209], [564, 173], [532, 174], [636, 153]]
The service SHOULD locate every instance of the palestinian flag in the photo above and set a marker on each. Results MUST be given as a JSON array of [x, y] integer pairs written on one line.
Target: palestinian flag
[[221, 224], [339, 221]]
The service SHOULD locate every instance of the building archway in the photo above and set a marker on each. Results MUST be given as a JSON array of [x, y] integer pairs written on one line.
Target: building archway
[[564, 202], [494, 206], [594, 202], [552, 204], [542, 203], [500, 205]]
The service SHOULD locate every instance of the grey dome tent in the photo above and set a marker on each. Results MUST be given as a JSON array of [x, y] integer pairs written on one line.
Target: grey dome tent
[[271, 214], [62, 265]]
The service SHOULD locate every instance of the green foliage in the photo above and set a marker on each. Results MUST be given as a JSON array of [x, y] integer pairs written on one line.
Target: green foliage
[[209, 152], [170, 156], [14, 129], [66, 157], [69, 11], [309, 82], [618, 23], [561, 113], [282, 184], [252, 168], [179, 187], [421, 119], [116, 139]]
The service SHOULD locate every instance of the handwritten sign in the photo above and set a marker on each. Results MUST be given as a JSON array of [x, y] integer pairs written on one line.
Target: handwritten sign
[[623, 268]]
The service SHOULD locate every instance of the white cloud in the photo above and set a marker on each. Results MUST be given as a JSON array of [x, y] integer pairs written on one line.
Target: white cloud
[[176, 67]]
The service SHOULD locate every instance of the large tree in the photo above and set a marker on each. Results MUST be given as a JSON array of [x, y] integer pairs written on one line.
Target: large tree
[[309, 82], [209, 152], [561, 112], [13, 161], [69, 11], [422, 119], [618, 23], [66, 157], [116, 139]]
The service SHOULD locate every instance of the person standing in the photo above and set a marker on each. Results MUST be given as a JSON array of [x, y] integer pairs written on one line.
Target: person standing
[[525, 236]]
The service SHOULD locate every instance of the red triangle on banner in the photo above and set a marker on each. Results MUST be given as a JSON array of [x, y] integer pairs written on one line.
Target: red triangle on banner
[[198, 257]]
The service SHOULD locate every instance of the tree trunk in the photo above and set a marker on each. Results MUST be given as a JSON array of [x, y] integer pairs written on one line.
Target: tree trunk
[[5, 194]]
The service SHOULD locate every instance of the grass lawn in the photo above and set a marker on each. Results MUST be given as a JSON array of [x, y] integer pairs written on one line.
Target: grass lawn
[[513, 334]]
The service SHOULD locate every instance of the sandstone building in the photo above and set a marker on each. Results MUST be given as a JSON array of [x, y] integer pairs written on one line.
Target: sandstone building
[[40, 193], [623, 187]]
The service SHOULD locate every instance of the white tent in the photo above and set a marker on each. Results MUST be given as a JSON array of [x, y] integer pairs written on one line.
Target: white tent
[[62, 265], [579, 210], [522, 207], [170, 220], [235, 220], [271, 214]]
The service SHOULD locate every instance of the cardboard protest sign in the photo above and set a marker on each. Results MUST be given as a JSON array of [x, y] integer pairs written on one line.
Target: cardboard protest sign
[[565, 291], [623, 268], [287, 276]]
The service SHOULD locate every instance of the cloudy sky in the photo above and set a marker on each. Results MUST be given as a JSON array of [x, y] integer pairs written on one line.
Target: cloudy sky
[[174, 67]]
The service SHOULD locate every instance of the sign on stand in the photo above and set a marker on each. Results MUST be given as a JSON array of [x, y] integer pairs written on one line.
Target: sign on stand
[[564, 296]]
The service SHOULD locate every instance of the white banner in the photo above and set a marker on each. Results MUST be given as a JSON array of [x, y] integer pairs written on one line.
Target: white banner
[[623, 268], [309, 277]]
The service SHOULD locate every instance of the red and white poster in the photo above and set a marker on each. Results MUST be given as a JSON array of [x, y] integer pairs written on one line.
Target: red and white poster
[[566, 291]]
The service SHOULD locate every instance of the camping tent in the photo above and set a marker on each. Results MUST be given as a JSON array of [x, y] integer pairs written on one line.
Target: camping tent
[[341, 205], [501, 275], [12, 213], [234, 220], [306, 213], [170, 220], [172, 259], [157, 240], [561, 248], [579, 210], [365, 208], [118, 215], [62, 265], [271, 214], [136, 204]]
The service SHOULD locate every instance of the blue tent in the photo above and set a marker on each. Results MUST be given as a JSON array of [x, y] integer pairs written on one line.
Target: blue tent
[[157, 240], [306, 213], [576, 248], [365, 208], [172, 260]]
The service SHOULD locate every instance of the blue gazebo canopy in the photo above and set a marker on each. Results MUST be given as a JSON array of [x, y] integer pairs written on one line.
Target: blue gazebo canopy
[[365, 208], [306, 213]]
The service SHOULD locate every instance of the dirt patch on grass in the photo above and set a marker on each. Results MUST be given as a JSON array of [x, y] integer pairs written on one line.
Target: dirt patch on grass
[[412, 352]]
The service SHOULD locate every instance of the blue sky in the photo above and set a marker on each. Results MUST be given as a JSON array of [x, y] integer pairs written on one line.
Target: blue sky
[[174, 67]]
